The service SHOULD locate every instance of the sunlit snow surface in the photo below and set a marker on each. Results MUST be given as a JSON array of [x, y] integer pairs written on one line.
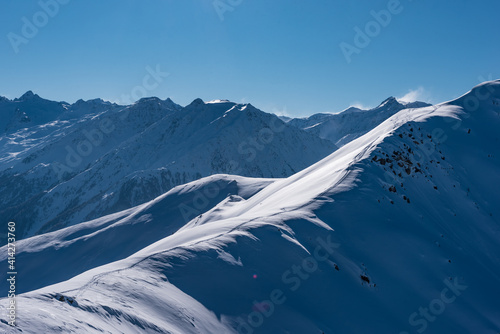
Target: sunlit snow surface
[[411, 209]]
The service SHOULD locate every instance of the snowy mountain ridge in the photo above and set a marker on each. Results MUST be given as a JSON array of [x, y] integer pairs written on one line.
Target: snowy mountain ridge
[[396, 231], [343, 127], [111, 157]]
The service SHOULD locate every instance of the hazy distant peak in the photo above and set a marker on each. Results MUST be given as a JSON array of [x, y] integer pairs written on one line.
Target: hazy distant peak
[[29, 95], [197, 102]]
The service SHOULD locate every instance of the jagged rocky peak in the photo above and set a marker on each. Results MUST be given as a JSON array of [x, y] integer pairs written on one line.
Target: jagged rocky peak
[[171, 102], [91, 102], [29, 95], [390, 101]]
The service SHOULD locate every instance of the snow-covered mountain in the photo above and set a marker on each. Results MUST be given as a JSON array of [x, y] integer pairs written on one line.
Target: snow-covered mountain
[[30, 110], [351, 123], [398, 231], [119, 235], [97, 158]]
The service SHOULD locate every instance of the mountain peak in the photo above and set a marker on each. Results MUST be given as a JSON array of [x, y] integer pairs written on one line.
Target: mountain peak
[[97, 100], [171, 104], [218, 101], [29, 95], [91, 103], [390, 100], [196, 102], [149, 99]]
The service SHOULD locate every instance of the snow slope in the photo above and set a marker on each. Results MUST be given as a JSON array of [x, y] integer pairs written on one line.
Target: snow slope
[[67, 171], [396, 232], [353, 122], [116, 236]]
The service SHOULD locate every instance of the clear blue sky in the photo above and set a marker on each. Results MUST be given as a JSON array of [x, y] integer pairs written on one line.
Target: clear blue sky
[[280, 55]]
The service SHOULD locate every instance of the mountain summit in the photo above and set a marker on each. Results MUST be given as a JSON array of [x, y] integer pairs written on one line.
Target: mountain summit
[[353, 122], [29, 95]]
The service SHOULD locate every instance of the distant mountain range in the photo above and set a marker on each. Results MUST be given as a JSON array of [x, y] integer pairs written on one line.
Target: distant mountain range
[[351, 123], [63, 164]]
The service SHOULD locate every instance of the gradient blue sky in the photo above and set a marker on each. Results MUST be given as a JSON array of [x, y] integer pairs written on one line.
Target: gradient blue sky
[[280, 55]]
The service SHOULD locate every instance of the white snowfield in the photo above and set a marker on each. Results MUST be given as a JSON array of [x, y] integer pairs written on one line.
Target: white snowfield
[[398, 231]]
